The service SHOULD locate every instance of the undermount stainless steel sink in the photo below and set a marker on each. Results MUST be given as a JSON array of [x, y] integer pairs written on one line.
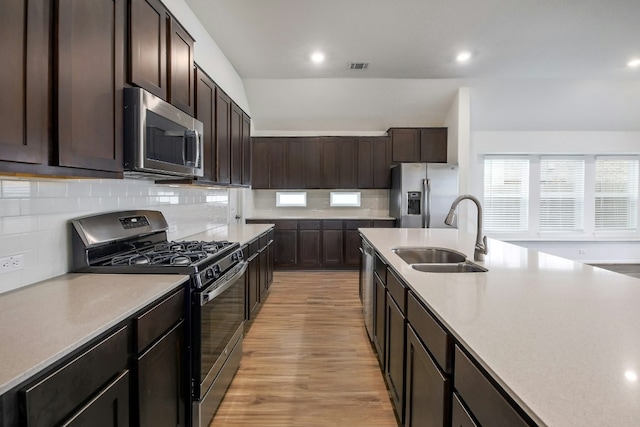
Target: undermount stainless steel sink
[[462, 267], [429, 255], [437, 260]]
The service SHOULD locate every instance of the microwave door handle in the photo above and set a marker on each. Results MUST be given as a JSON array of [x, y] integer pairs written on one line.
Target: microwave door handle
[[191, 149], [205, 297]]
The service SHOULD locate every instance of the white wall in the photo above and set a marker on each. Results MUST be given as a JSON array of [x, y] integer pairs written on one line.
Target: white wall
[[208, 55], [35, 214]]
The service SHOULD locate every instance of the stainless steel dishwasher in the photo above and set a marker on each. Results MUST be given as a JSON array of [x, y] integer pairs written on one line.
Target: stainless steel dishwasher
[[366, 286]]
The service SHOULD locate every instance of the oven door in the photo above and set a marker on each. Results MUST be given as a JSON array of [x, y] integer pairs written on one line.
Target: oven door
[[218, 325]]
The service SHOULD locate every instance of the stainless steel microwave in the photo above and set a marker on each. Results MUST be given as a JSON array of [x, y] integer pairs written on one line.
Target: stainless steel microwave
[[160, 139]]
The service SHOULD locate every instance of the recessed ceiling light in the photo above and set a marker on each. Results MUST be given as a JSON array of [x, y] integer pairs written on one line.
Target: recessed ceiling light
[[634, 63], [317, 57], [463, 56]]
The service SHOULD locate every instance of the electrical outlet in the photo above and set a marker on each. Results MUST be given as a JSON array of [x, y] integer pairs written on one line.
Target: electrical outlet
[[11, 263], [581, 252]]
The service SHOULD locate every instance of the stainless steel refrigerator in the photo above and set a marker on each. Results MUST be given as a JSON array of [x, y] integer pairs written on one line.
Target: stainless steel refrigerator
[[421, 194]]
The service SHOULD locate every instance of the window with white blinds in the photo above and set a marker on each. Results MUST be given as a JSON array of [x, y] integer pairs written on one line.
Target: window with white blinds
[[561, 206], [562, 196], [616, 194], [506, 194]]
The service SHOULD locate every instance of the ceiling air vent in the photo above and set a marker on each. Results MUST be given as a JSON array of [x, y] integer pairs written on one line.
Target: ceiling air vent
[[358, 65]]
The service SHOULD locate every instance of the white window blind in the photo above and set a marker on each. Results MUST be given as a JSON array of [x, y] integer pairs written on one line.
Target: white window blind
[[561, 194], [506, 194], [616, 194]]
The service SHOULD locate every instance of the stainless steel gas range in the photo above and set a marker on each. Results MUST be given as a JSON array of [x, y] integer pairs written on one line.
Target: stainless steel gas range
[[136, 242]]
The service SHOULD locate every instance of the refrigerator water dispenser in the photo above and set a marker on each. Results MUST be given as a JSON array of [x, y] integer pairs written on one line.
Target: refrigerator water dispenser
[[414, 203]]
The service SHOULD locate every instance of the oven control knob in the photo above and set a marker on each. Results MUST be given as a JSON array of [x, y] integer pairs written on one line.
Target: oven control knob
[[209, 273]]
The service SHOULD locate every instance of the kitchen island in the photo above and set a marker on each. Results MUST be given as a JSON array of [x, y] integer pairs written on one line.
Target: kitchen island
[[559, 337]]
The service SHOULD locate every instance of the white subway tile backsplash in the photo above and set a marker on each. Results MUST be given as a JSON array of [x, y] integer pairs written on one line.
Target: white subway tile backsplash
[[9, 207], [52, 189], [13, 188], [35, 215], [20, 224]]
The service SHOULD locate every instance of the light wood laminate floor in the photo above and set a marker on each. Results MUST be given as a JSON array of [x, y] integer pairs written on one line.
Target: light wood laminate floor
[[307, 360]]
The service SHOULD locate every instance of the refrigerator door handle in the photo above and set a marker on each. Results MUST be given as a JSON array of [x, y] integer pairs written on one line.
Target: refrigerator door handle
[[426, 212]]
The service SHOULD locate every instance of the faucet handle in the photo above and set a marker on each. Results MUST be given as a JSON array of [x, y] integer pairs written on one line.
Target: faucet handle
[[485, 247]]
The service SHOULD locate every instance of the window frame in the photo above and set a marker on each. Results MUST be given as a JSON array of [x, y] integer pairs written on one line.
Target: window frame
[[589, 231]]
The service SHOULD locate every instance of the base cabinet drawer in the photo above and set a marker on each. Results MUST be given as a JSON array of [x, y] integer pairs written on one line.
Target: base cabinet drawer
[[57, 396], [460, 417], [483, 399], [110, 408]]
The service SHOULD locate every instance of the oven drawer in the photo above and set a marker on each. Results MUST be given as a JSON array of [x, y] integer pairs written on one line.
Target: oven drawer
[[155, 321], [53, 398]]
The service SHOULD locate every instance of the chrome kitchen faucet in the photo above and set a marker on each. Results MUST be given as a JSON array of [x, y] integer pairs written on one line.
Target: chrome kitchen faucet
[[481, 248]]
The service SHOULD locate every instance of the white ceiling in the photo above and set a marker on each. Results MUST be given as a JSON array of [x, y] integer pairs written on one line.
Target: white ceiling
[[269, 43]]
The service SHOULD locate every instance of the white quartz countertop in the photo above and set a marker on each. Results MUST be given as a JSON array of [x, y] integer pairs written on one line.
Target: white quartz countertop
[[321, 215], [242, 233], [42, 323], [561, 337]]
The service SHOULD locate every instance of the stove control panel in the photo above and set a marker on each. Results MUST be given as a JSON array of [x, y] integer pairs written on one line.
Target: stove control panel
[[134, 221]]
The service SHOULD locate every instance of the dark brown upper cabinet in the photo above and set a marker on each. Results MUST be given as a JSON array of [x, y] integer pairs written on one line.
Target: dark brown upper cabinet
[[312, 162], [268, 167], [374, 162], [181, 70], [236, 144], [23, 81], [148, 46], [246, 149], [206, 113], [90, 78], [161, 54], [260, 162], [223, 137], [419, 145], [295, 162], [339, 157], [433, 145]]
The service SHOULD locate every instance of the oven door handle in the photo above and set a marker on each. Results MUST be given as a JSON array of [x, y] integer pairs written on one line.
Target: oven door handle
[[205, 297]]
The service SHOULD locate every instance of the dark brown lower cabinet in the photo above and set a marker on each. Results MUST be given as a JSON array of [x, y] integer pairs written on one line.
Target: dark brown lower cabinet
[[428, 391], [318, 244], [263, 273], [309, 244], [161, 385], [253, 284], [62, 395], [395, 355], [379, 317], [110, 408], [484, 400], [285, 248], [161, 382], [332, 243], [460, 417], [259, 272]]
